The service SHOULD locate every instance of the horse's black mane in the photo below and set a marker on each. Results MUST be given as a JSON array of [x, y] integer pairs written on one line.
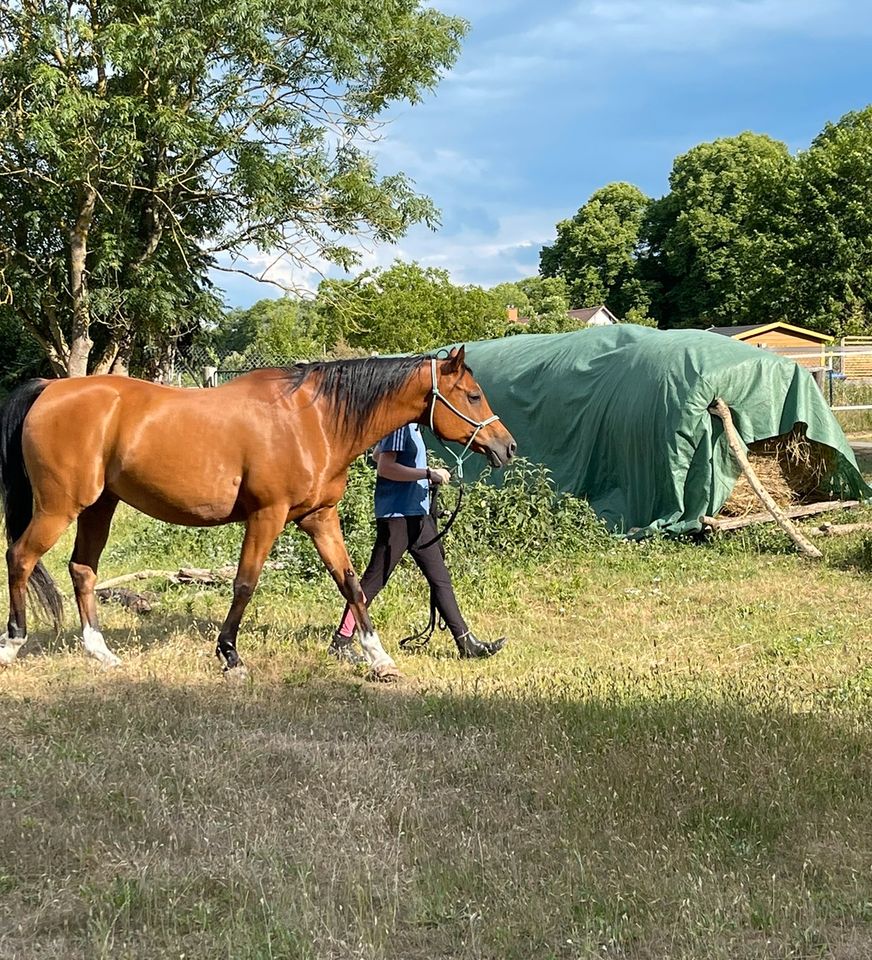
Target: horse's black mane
[[354, 388]]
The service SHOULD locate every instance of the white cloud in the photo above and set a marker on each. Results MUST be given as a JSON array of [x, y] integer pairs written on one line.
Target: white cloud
[[427, 163], [676, 26], [510, 251]]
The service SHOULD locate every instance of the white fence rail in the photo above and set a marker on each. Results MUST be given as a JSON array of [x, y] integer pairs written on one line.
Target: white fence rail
[[844, 373]]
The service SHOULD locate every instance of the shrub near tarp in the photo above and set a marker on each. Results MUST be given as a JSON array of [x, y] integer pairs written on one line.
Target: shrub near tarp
[[619, 415]]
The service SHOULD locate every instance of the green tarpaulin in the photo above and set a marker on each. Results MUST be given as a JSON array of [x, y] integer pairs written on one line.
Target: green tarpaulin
[[619, 415]]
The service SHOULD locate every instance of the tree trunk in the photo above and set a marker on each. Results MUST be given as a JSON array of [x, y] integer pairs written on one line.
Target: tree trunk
[[120, 365], [80, 341], [107, 360]]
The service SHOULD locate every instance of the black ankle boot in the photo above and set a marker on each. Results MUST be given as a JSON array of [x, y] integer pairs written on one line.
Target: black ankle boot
[[470, 647], [344, 649]]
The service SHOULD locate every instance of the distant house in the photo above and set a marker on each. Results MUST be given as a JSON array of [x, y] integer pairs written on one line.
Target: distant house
[[599, 316], [805, 346]]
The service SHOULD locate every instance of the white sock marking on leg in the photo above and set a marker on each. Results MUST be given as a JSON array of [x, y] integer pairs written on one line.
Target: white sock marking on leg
[[95, 646], [9, 648], [374, 651]]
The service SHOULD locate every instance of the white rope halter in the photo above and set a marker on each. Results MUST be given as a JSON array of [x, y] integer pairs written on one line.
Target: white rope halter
[[478, 424]]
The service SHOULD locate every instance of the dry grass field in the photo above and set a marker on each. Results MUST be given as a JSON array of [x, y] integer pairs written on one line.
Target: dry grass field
[[670, 760]]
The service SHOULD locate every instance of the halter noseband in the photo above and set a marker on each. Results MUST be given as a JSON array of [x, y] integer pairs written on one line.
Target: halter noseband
[[478, 424]]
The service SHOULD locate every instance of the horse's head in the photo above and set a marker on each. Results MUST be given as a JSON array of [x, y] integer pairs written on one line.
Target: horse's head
[[459, 411]]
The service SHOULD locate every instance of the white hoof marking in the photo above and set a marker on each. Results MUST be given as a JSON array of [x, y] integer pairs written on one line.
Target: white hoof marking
[[236, 674], [95, 646], [9, 649], [375, 652]]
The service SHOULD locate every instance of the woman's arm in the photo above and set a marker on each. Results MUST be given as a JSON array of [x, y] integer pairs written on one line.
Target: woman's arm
[[391, 470]]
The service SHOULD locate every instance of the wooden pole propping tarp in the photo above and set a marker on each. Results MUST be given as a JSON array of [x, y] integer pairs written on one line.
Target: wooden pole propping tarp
[[805, 547]]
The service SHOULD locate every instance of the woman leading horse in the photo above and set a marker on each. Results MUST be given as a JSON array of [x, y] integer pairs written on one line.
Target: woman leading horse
[[271, 447]]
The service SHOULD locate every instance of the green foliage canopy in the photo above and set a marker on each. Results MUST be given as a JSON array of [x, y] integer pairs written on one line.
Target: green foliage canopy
[[831, 281], [747, 233], [715, 242], [143, 144], [408, 308]]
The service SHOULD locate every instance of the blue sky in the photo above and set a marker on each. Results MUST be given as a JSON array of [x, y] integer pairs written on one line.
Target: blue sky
[[551, 100]]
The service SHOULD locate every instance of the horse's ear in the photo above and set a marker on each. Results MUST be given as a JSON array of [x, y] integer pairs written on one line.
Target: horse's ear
[[455, 360]]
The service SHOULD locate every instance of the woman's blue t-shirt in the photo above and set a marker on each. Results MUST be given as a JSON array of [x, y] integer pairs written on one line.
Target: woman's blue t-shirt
[[403, 498]]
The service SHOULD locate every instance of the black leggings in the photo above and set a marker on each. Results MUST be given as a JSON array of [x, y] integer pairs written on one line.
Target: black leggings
[[393, 537]]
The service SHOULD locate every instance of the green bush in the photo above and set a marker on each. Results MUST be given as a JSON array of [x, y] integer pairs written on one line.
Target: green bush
[[524, 521]]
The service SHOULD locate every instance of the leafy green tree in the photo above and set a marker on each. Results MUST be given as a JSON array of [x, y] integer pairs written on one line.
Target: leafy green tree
[[596, 252], [408, 308], [283, 328], [512, 295], [717, 246], [831, 278], [142, 144], [20, 355]]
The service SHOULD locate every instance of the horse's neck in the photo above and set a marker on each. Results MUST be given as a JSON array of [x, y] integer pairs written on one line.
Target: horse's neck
[[390, 417], [408, 405]]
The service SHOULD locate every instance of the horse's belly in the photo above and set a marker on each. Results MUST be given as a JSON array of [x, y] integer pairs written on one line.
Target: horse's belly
[[208, 505]]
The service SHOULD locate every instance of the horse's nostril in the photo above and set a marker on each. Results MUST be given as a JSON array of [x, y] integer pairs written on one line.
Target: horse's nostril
[[512, 448]]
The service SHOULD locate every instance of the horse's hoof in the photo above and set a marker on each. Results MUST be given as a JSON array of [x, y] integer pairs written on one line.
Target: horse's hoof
[[8, 651], [110, 662], [386, 673], [236, 674]]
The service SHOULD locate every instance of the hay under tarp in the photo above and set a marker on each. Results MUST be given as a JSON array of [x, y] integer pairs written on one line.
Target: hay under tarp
[[792, 468]]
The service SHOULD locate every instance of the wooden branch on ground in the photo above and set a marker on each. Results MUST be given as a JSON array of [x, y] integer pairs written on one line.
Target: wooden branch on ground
[[839, 529], [722, 524], [182, 575], [720, 409], [141, 575]]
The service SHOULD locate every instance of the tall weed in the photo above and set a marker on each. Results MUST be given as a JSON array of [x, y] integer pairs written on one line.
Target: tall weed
[[524, 520]]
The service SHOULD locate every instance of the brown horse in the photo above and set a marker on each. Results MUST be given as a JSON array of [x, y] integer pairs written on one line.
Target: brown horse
[[270, 447]]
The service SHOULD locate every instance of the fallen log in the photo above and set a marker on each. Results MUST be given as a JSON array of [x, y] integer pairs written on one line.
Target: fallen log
[[139, 575], [720, 409], [136, 602], [202, 575], [839, 529], [720, 525]]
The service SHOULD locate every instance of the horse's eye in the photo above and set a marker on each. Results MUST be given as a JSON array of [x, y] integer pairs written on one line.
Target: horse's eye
[[474, 397]]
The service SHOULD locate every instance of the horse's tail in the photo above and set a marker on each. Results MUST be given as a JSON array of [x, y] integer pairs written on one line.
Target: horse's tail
[[16, 492]]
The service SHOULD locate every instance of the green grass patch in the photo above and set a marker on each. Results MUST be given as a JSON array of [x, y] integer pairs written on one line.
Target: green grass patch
[[669, 760]]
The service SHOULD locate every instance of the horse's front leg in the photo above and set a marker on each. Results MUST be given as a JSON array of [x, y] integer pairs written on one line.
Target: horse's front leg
[[324, 529], [261, 531]]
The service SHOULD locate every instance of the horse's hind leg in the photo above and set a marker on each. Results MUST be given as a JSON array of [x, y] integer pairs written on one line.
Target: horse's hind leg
[[91, 535], [22, 557]]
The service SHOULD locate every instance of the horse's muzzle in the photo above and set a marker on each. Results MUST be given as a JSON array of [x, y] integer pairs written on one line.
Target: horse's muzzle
[[501, 450]]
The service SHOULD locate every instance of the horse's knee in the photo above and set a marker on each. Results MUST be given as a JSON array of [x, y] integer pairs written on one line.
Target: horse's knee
[[243, 590], [83, 577]]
